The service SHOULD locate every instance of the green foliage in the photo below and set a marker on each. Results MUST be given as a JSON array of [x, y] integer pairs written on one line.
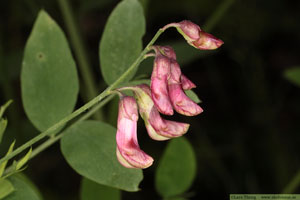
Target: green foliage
[[3, 122], [177, 168], [23, 160], [3, 165], [293, 75], [24, 189], [192, 95], [94, 191], [121, 42], [90, 148], [4, 107], [49, 79], [5, 188]]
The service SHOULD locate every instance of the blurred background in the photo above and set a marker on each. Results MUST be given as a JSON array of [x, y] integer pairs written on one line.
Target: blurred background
[[246, 140]]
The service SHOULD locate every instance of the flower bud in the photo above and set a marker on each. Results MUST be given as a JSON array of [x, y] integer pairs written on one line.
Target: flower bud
[[157, 127], [197, 37], [159, 84], [128, 151], [181, 103]]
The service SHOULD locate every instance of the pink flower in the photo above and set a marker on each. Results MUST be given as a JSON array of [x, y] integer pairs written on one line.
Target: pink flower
[[157, 127], [197, 37], [129, 153], [159, 84], [181, 103]]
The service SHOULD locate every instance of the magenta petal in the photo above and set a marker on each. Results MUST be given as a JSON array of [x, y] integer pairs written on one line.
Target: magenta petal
[[129, 153], [181, 103], [186, 83], [157, 127], [168, 52], [207, 41], [159, 85], [167, 128], [190, 29], [197, 37]]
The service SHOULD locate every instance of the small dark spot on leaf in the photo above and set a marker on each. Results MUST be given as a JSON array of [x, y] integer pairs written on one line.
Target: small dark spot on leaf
[[40, 55]]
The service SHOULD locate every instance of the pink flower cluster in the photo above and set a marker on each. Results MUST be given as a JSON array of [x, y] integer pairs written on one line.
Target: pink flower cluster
[[165, 94]]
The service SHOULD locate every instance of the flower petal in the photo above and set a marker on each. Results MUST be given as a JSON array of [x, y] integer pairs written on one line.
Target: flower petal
[[197, 37], [127, 144], [157, 127], [159, 85], [181, 103], [186, 83]]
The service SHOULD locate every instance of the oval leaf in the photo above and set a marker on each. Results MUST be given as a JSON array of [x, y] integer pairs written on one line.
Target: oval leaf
[[293, 75], [90, 148], [24, 189], [121, 42], [94, 191], [176, 169], [5, 188], [49, 78]]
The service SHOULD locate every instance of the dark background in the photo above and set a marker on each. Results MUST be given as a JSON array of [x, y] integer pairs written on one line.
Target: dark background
[[246, 140]]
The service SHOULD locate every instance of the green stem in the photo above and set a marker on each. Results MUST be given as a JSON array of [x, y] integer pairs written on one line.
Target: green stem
[[88, 105], [54, 139], [293, 185], [217, 15], [79, 49]]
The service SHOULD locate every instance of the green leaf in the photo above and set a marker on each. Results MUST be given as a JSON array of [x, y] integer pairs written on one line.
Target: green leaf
[[24, 189], [3, 124], [5, 188], [176, 169], [121, 42], [293, 75], [90, 148], [49, 79], [192, 95], [3, 165], [24, 160], [4, 107], [94, 191]]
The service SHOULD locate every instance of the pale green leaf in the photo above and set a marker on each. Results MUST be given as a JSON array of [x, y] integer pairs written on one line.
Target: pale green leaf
[[176, 169], [5, 188], [24, 160], [4, 107], [90, 148], [3, 124], [24, 189], [94, 191], [192, 95], [49, 79], [121, 41], [3, 165], [293, 75]]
